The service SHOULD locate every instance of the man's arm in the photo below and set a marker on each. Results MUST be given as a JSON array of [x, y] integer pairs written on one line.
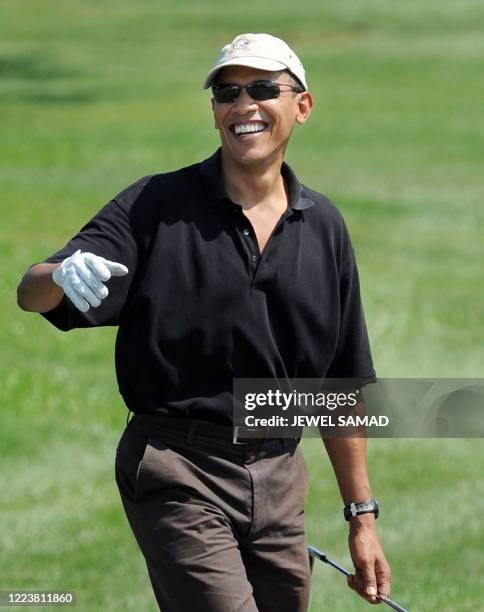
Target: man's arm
[[37, 292], [348, 457]]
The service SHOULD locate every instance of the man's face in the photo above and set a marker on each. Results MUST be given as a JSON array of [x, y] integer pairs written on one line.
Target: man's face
[[277, 116]]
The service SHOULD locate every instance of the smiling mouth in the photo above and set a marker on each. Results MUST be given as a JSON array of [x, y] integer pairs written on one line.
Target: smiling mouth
[[248, 129]]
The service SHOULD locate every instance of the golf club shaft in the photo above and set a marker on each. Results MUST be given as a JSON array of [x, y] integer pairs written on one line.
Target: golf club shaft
[[337, 566], [391, 603], [315, 552]]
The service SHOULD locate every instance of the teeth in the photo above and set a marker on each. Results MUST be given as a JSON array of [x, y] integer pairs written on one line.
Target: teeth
[[248, 128]]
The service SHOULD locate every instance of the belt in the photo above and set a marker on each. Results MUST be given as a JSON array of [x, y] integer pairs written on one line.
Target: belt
[[194, 428]]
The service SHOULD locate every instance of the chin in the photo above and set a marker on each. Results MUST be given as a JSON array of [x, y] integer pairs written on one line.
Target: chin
[[252, 155]]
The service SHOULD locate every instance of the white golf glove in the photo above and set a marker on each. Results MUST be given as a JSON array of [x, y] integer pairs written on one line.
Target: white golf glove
[[82, 275]]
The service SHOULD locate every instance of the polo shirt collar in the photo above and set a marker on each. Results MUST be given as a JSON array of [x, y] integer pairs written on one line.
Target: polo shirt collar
[[211, 172]]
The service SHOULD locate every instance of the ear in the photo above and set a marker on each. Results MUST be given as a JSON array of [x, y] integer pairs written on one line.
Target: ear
[[305, 103], [212, 100]]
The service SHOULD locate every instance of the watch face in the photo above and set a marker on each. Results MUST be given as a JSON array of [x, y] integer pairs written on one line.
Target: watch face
[[354, 509]]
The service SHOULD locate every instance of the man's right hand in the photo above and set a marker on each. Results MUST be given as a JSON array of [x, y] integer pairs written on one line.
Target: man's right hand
[[82, 277]]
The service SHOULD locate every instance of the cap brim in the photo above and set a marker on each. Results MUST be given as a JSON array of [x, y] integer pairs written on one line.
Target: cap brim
[[261, 63]]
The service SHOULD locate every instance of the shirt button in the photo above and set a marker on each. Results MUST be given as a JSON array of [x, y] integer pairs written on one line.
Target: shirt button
[[246, 232], [254, 258]]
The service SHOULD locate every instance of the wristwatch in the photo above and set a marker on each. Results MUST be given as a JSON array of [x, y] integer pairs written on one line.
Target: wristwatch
[[356, 508]]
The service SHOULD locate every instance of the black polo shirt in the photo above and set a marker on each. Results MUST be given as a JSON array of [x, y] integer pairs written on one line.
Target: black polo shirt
[[201, 306]]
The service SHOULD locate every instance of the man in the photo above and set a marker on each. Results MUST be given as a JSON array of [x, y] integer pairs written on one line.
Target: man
[[229, 268]]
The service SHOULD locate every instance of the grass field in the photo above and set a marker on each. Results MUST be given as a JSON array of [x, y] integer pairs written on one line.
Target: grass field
[[96, 94]]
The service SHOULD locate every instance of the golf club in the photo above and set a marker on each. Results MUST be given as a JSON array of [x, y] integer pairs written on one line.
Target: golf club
[[315, 553]]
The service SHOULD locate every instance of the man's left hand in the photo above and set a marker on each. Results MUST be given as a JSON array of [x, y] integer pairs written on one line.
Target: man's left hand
[[372, 575]]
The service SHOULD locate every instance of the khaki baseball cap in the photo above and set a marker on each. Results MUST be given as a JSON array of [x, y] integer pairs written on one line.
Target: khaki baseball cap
[[261, 51]]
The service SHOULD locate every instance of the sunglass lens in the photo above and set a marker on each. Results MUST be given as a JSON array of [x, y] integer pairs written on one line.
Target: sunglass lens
[[263, 90], [226, 93]]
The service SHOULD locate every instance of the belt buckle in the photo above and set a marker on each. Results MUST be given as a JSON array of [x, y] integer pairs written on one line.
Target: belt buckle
[[235, 437]]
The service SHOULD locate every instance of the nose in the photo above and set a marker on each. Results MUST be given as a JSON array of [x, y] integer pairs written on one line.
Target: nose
[[244, 101]]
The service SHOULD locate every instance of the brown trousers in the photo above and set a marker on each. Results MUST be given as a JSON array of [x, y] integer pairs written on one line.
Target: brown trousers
[[221, 526]]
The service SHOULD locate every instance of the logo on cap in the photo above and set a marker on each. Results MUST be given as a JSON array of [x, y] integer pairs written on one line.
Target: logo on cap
[[240, 43]]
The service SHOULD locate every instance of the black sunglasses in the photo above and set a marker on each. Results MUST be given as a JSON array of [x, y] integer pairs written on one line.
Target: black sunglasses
[[258, 90]]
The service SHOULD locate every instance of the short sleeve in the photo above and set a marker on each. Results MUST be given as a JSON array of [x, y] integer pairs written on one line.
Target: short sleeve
[[352, 358], [109, 234]]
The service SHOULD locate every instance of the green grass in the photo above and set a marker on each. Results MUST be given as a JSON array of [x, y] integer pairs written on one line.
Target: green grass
[[95, 95]]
